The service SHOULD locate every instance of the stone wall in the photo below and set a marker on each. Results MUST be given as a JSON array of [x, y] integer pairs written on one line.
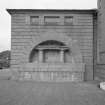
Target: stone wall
[[100, 62], [22, 33], [100, 72], [52, 72]]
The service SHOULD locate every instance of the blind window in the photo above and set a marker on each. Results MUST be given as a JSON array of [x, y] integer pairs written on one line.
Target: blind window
[[34, 20], [51, 20], [68, 20]]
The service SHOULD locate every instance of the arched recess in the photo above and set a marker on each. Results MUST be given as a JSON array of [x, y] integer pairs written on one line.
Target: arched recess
[[51, 48], [60, 37]]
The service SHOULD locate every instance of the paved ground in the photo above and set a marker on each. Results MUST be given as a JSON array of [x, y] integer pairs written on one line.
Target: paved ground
[[33, 93]]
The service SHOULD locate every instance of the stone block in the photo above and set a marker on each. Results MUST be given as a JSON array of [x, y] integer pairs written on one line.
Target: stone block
[[27, 75]]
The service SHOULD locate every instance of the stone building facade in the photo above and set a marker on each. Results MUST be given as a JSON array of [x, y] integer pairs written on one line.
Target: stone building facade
[[53, 45], [100, 46]]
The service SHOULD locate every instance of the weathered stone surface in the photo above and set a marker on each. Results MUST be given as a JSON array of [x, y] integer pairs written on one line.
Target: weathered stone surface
[[26, 36]]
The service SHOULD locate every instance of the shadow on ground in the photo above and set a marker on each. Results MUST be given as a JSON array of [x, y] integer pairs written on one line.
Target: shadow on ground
[[34, 93]]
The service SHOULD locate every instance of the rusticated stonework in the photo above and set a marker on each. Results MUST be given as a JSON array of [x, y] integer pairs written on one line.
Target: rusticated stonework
[[52, 45]]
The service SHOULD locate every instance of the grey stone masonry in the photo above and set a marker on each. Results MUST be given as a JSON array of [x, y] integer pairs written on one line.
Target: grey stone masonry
[[29, 28]]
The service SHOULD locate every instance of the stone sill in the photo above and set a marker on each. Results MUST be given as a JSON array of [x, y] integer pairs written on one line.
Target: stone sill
[[31, 67]]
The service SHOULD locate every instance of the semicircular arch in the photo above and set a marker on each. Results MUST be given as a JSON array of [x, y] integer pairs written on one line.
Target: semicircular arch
[[60, 37]]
